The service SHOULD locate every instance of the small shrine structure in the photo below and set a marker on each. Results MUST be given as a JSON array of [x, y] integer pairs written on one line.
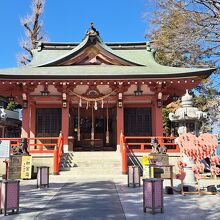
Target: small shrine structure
[[93, 90]]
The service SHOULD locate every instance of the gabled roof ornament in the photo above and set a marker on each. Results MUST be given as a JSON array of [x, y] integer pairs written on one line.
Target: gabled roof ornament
[[92, 31]]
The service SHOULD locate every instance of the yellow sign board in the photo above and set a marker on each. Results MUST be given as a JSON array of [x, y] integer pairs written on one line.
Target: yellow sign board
[[146, 160], [26, 165], [147, 171]]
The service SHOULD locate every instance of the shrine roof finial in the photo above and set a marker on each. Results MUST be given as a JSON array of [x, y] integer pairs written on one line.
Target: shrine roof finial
[[92, 30]]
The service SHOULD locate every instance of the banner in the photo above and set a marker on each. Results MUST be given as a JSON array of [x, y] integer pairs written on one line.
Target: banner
[[26, 166]]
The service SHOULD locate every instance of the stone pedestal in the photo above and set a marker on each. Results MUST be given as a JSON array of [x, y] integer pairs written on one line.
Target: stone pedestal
[[163, 159], [14, 171], [190, 176]]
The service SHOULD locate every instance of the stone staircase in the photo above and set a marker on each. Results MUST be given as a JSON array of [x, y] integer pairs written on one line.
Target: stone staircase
[[89, 163], [67, 162]]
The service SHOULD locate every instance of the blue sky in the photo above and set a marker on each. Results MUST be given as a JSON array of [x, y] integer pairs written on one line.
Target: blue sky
[[68, 20]]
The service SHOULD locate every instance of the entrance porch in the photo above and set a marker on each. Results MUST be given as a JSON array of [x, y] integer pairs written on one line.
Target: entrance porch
[[92, 130]]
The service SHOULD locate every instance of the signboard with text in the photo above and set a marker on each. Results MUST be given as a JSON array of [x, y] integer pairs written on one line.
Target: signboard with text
[[26, 165], [146, 161], [5, 148]]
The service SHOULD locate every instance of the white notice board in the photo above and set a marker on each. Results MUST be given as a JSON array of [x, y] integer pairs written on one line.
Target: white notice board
[[4, 148]]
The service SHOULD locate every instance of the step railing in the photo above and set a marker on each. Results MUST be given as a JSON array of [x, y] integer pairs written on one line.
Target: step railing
[[42, 145], [137, 144]]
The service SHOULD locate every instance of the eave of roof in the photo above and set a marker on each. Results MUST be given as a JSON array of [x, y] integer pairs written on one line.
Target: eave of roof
[[100, 72]]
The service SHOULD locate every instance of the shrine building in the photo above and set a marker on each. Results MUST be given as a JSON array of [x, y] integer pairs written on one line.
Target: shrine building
[[94, 90]]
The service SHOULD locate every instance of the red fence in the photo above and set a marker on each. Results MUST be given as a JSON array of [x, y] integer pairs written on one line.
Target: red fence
[[143, 145], [42, 145]]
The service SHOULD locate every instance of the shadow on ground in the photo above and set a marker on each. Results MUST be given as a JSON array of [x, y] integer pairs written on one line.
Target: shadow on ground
[[89, 200], [176, 207]]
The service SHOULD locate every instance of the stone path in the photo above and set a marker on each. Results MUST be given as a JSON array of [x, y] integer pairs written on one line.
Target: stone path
[[107, 198], [95, 200]]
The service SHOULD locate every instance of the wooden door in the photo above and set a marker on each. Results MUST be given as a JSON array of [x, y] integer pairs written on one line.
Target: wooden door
[[137, 122]]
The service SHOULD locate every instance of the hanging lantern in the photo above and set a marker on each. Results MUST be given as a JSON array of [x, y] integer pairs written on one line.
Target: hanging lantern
[[80, 102], [102, 103], [87, 105]]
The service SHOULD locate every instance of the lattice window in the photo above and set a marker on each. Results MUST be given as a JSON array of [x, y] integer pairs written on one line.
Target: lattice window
[[137, 121], [48, 122]]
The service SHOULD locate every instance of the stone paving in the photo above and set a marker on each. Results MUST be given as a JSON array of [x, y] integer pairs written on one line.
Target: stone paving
[[105, 197]]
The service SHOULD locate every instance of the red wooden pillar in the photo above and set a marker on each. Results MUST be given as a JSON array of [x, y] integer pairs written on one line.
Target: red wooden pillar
[[25, 130], [32, 124], [158, 120], [120, 124], [65, 126], [33, 120]]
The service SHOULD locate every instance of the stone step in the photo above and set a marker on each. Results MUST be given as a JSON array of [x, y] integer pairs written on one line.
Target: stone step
[[83, 171], [94, 154], [91, 161]]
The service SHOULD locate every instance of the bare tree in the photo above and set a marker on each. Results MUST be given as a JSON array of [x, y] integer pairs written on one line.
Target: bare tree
[[33, 31]]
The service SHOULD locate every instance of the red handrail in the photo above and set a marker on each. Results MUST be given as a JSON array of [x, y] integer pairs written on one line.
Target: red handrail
[[58, 151], [123, 149], [168, 142], [127, 145]]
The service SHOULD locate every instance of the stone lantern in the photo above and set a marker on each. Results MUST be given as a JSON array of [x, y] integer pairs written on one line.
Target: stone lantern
[[189, 120], [188, 117]]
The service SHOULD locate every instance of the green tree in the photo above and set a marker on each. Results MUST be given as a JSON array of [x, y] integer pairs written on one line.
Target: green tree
[[186, 33]]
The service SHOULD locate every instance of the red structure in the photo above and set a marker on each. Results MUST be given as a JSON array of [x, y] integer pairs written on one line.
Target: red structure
[[92, 91]]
